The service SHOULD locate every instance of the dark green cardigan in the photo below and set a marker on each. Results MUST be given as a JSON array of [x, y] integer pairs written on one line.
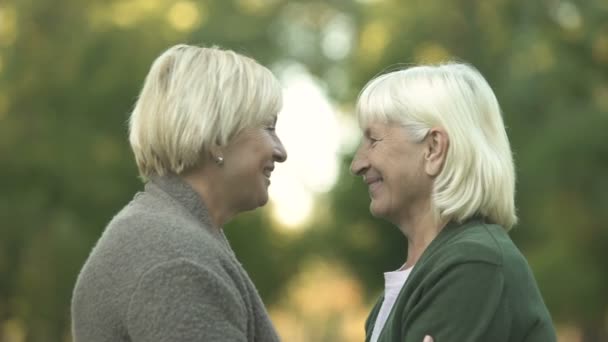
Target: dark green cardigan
[[470, 284]]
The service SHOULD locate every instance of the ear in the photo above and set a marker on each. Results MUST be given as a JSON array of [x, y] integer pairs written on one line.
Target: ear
[[216, 152], [436, 151]]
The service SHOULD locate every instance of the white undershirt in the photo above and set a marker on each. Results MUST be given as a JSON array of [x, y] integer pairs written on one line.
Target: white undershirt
[[393, 282]]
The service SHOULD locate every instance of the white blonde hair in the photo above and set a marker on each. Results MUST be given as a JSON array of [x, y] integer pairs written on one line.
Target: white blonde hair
[[478, 176], [194, 98]]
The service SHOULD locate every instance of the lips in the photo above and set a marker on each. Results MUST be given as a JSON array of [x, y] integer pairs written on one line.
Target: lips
[[372, 182], [268, 172]]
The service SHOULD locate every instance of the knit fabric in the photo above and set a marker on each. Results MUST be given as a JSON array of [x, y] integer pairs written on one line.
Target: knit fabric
[[471, 284], [162, 272]]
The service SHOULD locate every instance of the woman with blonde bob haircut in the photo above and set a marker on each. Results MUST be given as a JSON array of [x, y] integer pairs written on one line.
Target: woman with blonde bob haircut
[[203, 136], [437, 162]]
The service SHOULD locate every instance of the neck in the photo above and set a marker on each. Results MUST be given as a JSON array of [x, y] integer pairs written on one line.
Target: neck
[[420, 231], [211, 195]]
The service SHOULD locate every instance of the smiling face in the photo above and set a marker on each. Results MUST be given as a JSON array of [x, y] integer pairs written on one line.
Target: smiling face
[[393, 167], [248, 163]]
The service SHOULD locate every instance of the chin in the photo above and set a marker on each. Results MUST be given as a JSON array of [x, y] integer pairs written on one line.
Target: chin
[[255, 202], [373, 210], [263, 200], [376, 211]]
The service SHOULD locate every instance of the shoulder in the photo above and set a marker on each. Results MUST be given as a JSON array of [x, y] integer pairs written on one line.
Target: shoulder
[[170, 294], [467, 261], [147, 233], [480, 242], [187, 274], [469, 250]]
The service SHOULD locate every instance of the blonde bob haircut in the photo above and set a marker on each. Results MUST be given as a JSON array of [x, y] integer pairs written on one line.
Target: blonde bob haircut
[[478, 177], [193, 99]]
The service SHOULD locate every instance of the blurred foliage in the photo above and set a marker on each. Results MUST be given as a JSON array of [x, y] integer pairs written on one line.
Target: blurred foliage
[[70, 71]]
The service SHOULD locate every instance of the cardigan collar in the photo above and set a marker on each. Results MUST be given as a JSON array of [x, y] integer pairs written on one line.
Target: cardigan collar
[[184, 194]]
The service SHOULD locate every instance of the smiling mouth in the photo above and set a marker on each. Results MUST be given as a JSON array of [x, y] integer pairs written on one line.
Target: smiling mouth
[[371, 180], [372, 183], [268, 173]]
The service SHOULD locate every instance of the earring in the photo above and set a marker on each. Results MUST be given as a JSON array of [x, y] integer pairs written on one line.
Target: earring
[[219, 161]]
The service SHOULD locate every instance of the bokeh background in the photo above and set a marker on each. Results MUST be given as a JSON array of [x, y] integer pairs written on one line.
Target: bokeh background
[[70, 71]]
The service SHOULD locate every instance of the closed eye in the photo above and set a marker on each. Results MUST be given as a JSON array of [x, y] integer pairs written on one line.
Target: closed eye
[[373, 141]]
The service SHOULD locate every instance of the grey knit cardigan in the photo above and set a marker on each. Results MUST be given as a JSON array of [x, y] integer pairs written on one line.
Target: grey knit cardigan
[[162, 272]]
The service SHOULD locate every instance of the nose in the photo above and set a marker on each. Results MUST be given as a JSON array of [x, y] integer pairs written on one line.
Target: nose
[[279, 153], [360, 163]]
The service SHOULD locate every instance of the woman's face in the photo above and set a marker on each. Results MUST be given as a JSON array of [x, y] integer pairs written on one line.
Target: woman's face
[[248, 163], [392, 166]]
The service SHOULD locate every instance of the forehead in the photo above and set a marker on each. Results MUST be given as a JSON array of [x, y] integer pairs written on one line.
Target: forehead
[[376, 126], [387, 131]]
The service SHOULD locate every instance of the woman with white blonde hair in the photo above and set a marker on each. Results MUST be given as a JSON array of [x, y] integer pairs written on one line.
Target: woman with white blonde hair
[[437, 162], [203, 135]]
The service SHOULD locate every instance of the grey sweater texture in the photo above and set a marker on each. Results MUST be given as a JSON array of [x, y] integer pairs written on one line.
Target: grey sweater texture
[[162, 272]]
